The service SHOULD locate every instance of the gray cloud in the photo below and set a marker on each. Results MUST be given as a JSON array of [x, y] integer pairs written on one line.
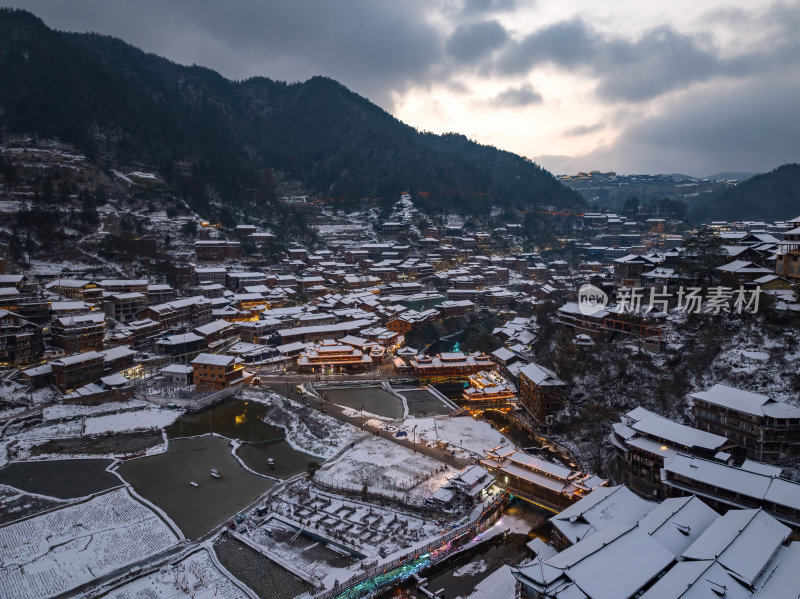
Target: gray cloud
[[584, 129], [372, 47], [471, 42], [660, 61], [471, 7], [734, 127], [517, 97], [568, 44]]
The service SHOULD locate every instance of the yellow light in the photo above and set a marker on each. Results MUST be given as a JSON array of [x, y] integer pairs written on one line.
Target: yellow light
[[663, 448], [239, 419]]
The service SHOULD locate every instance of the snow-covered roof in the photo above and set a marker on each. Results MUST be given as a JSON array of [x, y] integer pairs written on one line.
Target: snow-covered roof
[[503, 354], [574, 308], [748, 402], [594, 565], [77, 358], [69, 321], [603, 507], [662, 428], [214, 359], [178, 339], [115, 353], [122, 282], [177, 369], [213, 327], [750, 484], [677, 522], [732, 540], [541, 376], [742, 266]]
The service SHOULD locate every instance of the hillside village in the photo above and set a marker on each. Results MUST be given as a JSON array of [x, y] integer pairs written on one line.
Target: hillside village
[[372, 401]]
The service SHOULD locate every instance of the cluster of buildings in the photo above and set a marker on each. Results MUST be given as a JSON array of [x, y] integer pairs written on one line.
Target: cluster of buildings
[[723, 458], [348, 307], [612, 543]]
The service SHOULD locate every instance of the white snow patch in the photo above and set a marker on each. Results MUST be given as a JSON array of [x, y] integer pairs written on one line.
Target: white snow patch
[[463, 434], [148, 419], [59, 550], [385, 468], [195, 577]]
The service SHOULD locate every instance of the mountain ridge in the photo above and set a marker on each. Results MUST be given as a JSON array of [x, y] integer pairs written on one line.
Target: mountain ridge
[[211, 137], [769, 196]]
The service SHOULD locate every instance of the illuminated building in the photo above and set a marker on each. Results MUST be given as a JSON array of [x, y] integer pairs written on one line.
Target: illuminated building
[[449, 364], [550, 485], [488, 391], [212, 372], [332, 356]]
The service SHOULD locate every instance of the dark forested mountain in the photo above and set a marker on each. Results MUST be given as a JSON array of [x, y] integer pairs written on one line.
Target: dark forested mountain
[[771, 196], [207, 135]]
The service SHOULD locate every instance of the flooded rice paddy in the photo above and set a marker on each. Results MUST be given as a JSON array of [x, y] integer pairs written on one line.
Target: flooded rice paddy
[[266, 578], [165, 480], [371, 399], [63, 479], [421, 402], [202, 441], [242, 420]]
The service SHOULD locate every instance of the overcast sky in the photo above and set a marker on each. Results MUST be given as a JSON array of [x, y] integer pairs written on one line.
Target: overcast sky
[[686, 86]]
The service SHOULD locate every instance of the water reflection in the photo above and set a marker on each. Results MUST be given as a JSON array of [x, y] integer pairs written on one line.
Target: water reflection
[[242, 420]]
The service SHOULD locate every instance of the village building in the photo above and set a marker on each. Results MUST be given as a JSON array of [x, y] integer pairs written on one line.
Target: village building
[[75, 334], [216, 250], [192, 311], [541, 392], [676, 550], [333, 356], [449, 364], [20, 340], [488, 391], [740, 272], [725, 486], [160, 293], [71, 372], [466, 489], [181, 348], [212, 372], [124, 307], [78, 289], [787, 263], [645, 441], [124, 285], [766, 428], [546, 484]]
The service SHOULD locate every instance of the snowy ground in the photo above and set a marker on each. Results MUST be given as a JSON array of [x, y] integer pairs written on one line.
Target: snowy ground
[[756, 363], [471, 568], [68, 411], [307, 430], [15, 504], [195, 577], [373, 530], [67, 422], [57, 551], [463, 434], [135, 420], [387, 469], [500, 583]]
